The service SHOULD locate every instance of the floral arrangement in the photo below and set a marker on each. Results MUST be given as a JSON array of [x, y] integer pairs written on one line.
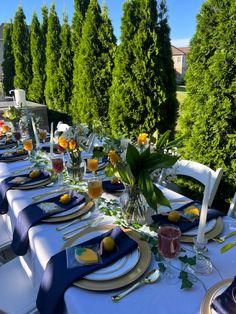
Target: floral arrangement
[[134, 169], [73, 140], [13, 113]]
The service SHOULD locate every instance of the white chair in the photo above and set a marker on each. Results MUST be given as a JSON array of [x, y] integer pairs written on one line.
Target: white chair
[[5, 238], [232, 208], [62, 127], [18, 295], [198, 172]]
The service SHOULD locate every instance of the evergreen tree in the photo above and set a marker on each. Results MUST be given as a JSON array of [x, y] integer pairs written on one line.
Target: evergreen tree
[[80, 9], [65, 71], [208, 116], [36, 88], [169, 108], [137, 92], [21, 49], [93, 67], [44, 29], [53, 44], [8, 65]]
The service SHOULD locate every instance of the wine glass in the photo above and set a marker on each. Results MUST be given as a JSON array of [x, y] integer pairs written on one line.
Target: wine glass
[[28, 145], [42, 135], [58, 165], [92, 165], [17, 136], [169, 245]]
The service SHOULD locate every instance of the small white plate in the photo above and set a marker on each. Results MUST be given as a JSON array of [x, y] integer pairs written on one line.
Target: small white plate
[[193, 232], [117, 269]]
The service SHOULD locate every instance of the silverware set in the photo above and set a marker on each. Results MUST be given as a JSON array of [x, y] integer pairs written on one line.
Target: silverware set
[[223, 238]]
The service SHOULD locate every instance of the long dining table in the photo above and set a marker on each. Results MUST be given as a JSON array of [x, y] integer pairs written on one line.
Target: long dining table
[[160, 297]]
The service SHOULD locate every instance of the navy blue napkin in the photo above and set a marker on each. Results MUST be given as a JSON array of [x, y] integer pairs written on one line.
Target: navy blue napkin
[[225, 303], [57, 277], [110, 187], [14, 155], [32, 214], [186, 224], [10, 144], [5, 185]]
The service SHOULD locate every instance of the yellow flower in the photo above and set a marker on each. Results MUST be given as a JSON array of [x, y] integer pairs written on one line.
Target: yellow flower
[[142, 138], [113, 157], [63, 142], [72, 144]]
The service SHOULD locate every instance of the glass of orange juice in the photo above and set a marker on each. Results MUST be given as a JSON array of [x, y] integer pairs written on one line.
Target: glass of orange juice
[[95, 189], [92, 165], [28, 145], [42, 135]]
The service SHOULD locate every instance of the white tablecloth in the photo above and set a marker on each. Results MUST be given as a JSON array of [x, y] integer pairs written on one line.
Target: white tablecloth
[[159, 298]]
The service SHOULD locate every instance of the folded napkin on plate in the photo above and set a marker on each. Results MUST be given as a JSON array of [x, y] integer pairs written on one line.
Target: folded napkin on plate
[[110, 187], [57, 277], [6, 145], [9, 183], [186, 224], [225, 303], [32, 214], [12, 155]]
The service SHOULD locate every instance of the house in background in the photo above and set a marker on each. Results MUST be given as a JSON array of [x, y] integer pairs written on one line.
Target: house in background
[[179, 56], [1, 50]]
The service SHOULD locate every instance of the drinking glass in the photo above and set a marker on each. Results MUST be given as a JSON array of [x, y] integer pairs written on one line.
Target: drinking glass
[[95, 189], [58, 165], [28, 145], [17, 136], [169, 245], [92, 165], [42, 135]]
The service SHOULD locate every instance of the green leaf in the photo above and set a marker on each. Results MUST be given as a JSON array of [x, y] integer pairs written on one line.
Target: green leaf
[[162, 267], [188, 260], [157, 160], [227, 247], [162, 140], [125, 173], [176, 143], [161, 199], [147, 188], [186, 283], [109, 170], [98, 154], [133, 158]]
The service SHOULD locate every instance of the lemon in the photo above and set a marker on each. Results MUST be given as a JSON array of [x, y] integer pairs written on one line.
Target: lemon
[[191, 211], [108, 244], [34, 174], [20, 151], [174, 216], [65, 199]]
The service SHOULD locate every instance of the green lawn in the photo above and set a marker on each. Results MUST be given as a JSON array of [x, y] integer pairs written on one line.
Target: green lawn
[[181, 93]]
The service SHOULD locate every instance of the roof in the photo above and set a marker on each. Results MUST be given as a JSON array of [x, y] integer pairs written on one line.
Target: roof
[[180, 51]]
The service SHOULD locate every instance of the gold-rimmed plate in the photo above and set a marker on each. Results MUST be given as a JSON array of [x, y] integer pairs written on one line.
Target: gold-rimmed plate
[[212, 293], [78, 211], [135, 273], [33, 185], [218, 228], [15, 158]]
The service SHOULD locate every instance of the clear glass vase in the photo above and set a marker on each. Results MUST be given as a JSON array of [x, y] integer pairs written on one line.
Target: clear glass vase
[[134, 205], [76, 169]]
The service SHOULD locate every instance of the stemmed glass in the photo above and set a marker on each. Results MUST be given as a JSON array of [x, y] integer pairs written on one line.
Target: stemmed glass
[[17, 136], [58, 165], [169, 245], [28, 145], [42, 135], [92, 165]]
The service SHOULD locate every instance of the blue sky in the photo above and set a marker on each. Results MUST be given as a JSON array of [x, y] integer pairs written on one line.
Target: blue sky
[[182, 14]]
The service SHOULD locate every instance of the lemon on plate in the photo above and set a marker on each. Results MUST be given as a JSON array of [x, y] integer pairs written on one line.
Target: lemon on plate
[[34, 173], [108, 244], [174, 216], [65, 199]]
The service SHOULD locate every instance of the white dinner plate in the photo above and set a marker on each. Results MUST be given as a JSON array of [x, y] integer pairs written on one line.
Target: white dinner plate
[[115, 270], [209, 226]]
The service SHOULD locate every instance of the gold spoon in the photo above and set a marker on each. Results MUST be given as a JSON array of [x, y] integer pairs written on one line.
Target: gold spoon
[[150, 278]]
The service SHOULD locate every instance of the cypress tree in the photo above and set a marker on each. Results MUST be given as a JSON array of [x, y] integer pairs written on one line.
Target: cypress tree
[[208, 116], [21, 49], [8, 65], [36, 88], [92, 73], [53, 44], [137, 92], [80, 9], [44, 29], [170, 106], [65, 71]]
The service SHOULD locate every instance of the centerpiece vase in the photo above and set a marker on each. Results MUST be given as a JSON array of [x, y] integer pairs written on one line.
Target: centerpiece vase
[[134, 205], [76, 169]]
